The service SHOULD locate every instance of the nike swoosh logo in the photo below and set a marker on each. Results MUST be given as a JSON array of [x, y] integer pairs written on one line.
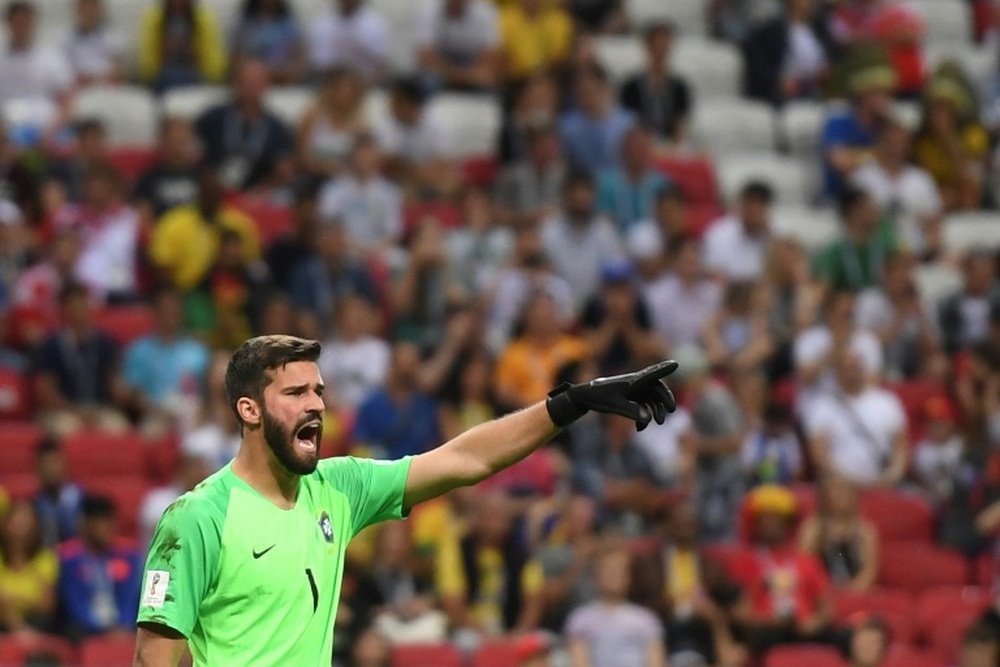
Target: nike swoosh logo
[[258, 554]]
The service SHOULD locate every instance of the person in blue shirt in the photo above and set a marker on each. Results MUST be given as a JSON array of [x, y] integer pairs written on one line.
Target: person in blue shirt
[[58, 500], [849, 134], [99, 575], [167, 363], [399, 419], [628, 194], [593, 131]]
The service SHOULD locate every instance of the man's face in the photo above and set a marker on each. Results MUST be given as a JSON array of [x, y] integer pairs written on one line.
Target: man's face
[[169, 314], [590, 93], [771, 528], [613, 575], [979, 654], [867, 647], [51, 469], [88, 13], [21, 27], [99, 531], [877, 101], [659, 46], [251, 83], [979, 274], [755, 214], [580, 201], [178, 142], [292, 416]]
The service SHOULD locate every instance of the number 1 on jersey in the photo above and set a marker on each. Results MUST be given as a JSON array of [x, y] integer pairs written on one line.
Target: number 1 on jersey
[[313, 588]]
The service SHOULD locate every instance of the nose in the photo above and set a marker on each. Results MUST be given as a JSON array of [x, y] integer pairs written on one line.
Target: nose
[[315, 403]]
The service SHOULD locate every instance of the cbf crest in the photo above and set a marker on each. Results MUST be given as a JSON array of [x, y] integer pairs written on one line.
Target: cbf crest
[[326, 526]]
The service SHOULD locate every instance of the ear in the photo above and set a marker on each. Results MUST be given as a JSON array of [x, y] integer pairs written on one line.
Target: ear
[[249, 411]]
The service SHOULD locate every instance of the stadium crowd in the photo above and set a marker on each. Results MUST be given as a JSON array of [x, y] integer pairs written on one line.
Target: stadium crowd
[[795, 199]]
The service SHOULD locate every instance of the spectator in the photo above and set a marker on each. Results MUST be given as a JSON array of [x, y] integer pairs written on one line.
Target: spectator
[[535, 106], [628, 194], [330, 127], [180, 44], [685, 289], [785, 57], [185, 242], [846, 542], [980, 647], [420, 295], [580, 241], [356, 361], [659, 98], [963, 317], [164, 370], [241, 138], [894, 312], [617, 323], [371, 649], [785, 593], [794, 297], [457, 43], [731, 20], [856, 260], [611, 631], [296, 247], [328, 276], [269, 32], [214, 437], [528, 191], [868, 644], [566, 557], [58, 499], [950, 143], [399, 419], [593, 131], [857, 430], [737, 338], [904, 193], [93, 48], [64, 178], [474, 402], [368, 205], [488, 582], [535, 37], [28, 572], [100, 575], [190, 471], [605, 17], [35, 82], [109, 231], [350, 34], [736, 246], [12, 360], [647, 239], [19, 182], [527, 368], [172, 180], [849, 135], [772, 453], [939, 458], [75, 382], [15, 247], [480, 248]]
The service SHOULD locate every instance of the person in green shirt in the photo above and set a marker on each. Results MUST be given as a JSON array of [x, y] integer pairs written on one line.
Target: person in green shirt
[[246, 568], [854, 262]]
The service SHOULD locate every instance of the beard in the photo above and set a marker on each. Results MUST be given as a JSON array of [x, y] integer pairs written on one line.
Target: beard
[[281, 442]]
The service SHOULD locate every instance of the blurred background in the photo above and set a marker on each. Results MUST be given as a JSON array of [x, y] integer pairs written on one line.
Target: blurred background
[[468, 202]]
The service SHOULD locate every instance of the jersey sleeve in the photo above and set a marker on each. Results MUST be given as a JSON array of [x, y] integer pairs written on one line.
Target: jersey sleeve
[[182, 565], [374, 488]]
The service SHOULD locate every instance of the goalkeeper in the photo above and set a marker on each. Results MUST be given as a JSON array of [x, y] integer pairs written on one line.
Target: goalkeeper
[[246, 568]]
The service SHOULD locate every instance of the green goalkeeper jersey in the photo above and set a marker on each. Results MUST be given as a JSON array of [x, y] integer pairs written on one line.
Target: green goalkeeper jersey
[[248, 583]]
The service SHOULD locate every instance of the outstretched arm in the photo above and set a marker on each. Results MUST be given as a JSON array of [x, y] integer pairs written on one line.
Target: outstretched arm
[[488, 448]]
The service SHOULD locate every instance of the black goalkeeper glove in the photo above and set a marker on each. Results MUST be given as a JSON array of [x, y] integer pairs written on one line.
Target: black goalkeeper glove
[[641, 396]]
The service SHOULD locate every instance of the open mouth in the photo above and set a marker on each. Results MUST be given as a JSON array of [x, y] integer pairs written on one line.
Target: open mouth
[[308, 436]]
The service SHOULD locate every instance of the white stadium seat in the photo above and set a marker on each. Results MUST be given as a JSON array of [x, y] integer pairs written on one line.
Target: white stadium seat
[[622, 57], [908, 113], [965, 231], [399, 14], [793, 185], [979, 63], [727, 127], [948, 21], [713, 68], [474, 121], [814, 228], [128, 112], [289, 103], [689, 16], [935, 282], [801, 126], [191, 101]]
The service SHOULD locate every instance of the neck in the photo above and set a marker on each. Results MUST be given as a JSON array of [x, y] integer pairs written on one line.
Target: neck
[[257, 466], [892, 165]]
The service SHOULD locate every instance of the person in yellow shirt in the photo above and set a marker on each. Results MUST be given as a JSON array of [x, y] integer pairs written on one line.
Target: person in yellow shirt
[[535, 35], [185, 242], [180, 43], [28, 572], [528, 367]]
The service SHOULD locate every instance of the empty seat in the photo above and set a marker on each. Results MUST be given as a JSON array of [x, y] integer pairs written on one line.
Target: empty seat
[[908, 113], [791, 182], [473, 120], [947, 22], [914, 566], [801, 128], [621, 56], [893, 606], [905, 655], [965, 231], [726, 127], [694, 175], [726, 556], [128, 113], [914, 394], [108, 651], [814, 228], [15, 395], [689, 16], [35, 650], [426, 655], [18, 444], [712, 67], [125, 323], [945, 637], [191, 101], [132, 162], [898, 516], [978, 62], [813, 655], [958, 603], [496, 654], [93, 455], [935, 282], [289, 103]]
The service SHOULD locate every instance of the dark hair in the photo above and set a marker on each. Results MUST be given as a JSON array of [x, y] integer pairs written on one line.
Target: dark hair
[[90, 124], [776, 413], [18, 6], [671, 191], [980, 632], [97, 507], [410, 89], [578, 178], [72, 290], [595, 70], [35, 543], [46, 447], [252, 8], [758, 190], [248, 371], [849, 200], [678, 243]]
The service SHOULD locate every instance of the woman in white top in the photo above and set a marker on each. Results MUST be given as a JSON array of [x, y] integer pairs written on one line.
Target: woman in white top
[[327, 131]]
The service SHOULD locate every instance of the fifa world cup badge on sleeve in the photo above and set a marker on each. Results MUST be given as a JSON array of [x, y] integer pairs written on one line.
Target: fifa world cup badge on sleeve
[[155, 589]]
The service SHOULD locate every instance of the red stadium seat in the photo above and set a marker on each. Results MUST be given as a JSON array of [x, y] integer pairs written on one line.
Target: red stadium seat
[[695, 175], [725, 555], [480, 170], [426, 655], [125, 323], [496, 654], [904, 655], [813, 655], [898, 516], [987, 570], [448, 215], [131, 162], [127, 493], [915, 566], [945, 637], [272, 219], [893, 606], [18, 443], [107, 652], [23, 486], [914, 394], [805, 496], [38, 650], [944, 610], [15, 395], [94, 455]]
